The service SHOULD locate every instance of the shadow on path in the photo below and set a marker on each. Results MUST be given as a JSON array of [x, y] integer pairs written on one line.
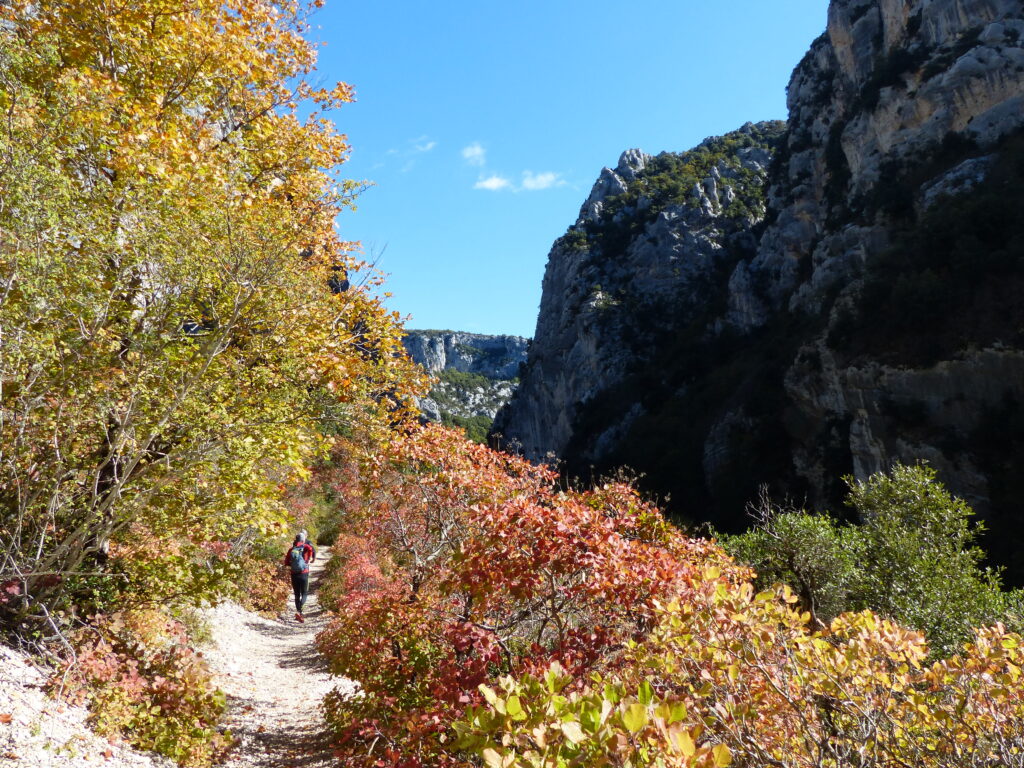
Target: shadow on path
[[277, 726]]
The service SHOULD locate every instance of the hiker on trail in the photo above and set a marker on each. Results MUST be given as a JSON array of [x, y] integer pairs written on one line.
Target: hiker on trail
[[297, 560]]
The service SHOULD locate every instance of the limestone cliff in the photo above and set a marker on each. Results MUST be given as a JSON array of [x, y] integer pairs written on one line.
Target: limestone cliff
[[850, 301], [647, 255], [475, 375]]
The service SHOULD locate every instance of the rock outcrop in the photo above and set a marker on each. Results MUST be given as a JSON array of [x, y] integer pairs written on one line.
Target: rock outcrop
[[818, 303], [476, 374], [496, 357], [647, 252]]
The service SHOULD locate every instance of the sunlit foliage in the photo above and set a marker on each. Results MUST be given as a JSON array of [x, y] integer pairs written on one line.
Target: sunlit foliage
[[491, 617], [176, 320]]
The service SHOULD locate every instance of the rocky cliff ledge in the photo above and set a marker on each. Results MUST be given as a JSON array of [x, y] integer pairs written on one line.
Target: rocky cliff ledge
[[476, 375], [816, 300], [653, 246]]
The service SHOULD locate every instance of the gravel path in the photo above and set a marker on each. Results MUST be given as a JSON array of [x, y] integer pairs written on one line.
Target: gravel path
[[275, 681], [269, 668]]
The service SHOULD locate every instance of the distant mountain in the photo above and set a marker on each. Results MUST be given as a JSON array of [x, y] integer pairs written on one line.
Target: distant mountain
[[791, 303], [476, 375]]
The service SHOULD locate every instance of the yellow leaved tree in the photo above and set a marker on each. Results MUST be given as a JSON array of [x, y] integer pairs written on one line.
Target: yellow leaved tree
[[176, 320]]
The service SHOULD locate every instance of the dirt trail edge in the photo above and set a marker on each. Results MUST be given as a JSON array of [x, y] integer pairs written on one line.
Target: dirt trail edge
[[275, 680]]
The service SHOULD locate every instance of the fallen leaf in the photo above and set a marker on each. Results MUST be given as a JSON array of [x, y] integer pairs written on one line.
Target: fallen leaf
[[107, 753]]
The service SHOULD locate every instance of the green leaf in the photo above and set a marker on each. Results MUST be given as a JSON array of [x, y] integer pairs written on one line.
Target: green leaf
[[515, 708], [634, 717], [645, 693]]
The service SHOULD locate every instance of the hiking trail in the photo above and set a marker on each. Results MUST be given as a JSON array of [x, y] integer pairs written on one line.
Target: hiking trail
[[275, 680], [268, 667]]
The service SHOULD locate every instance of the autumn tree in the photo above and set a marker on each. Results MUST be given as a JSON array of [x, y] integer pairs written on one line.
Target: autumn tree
[[175, 322], [459, 563]]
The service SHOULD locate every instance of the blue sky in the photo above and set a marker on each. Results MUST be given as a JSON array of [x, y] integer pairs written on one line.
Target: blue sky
[[483, 124]]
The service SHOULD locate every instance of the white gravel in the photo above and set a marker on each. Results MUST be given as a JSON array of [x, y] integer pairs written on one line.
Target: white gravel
[[269, 668], [275, 681]]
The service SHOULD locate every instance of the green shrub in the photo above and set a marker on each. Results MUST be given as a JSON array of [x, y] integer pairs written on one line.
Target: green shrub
[[814, 554], [921, 564], [475, 427], [911, 556]]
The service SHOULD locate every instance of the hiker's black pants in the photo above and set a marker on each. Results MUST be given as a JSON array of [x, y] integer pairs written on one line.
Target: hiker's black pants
[[300, 583]]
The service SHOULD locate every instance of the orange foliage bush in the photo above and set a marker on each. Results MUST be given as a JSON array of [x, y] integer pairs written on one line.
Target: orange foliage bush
[[143, 681], [489, 616], [263, 585], [463, 563]]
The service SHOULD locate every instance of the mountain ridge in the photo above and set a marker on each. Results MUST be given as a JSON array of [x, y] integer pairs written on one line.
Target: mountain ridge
[[475, 375]]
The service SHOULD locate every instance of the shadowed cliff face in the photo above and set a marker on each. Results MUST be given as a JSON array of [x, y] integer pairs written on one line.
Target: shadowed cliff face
[[650, 253], [814, 303]]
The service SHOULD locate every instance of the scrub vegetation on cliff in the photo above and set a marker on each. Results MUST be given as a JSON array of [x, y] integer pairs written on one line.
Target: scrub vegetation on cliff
[[675, 179]]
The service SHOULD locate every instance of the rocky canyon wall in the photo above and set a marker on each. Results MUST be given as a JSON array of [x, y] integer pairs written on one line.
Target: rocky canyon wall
[[792, 303]]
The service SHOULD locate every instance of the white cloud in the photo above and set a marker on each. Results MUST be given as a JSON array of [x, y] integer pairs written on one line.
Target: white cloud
[[412, 147], [474, 154], [535, 181], [493, 183]]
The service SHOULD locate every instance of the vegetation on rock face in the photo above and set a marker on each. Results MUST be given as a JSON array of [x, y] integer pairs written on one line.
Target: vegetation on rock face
[[674, 351], [476, 427], [949, 279], [468, 400], [669, 179]]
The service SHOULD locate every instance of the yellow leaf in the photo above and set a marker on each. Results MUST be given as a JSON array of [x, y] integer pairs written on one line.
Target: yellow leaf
[[635, 717], [573, 732], [722, 755], [684, 742]]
